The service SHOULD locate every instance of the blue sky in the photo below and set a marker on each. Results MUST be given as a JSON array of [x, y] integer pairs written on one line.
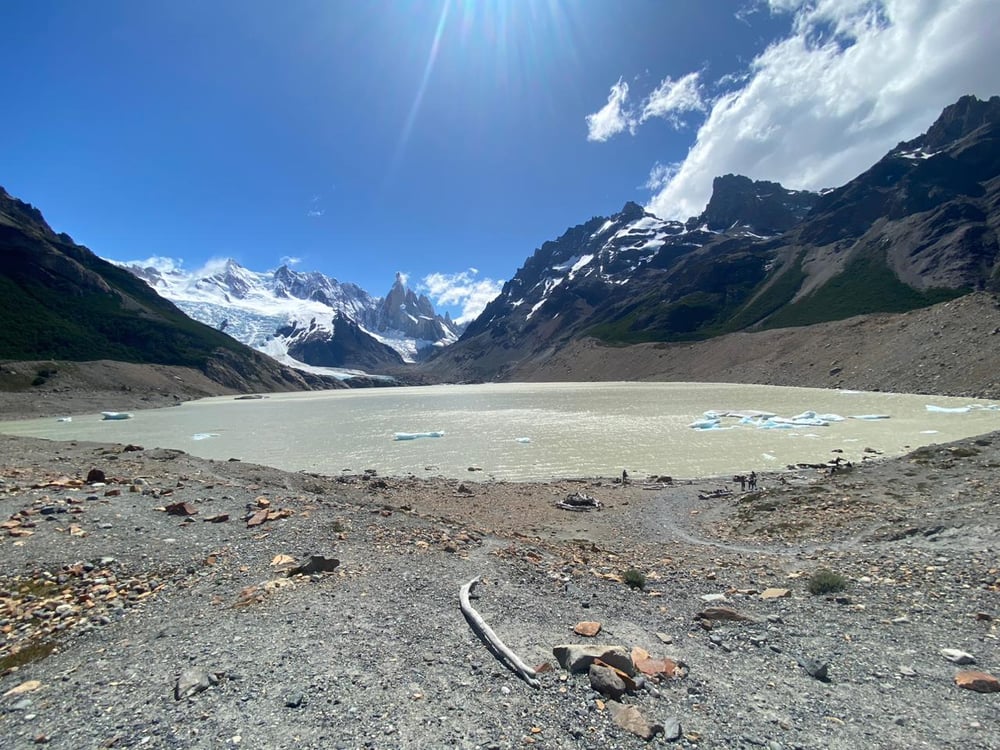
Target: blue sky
[[447, 139]]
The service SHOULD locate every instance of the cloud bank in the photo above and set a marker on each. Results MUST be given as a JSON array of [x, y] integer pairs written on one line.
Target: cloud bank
[[816, 108], [463, 290]]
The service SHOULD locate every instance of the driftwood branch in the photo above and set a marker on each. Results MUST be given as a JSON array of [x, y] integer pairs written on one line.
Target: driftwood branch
[[491, 639]]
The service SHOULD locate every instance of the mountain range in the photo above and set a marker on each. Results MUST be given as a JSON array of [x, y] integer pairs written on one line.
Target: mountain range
[[305, 319], [918, 228]]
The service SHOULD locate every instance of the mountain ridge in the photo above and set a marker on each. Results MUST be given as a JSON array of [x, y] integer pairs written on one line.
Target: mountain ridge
[[292, 315], [917, 228]]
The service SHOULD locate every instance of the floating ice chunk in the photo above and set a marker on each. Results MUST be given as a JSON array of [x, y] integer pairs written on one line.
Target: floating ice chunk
[[523, 439], [869, 416], [798, 421], [929, 432], [963, 409], [768, 457], [64, 419], [775, 423], [849, 393], [116, 414], [204, 435], [830, 417], [415, 435], [705, 424]]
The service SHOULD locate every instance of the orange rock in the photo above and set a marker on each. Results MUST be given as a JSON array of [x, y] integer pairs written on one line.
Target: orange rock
[[980, 682], [587, 628], [660, 668]]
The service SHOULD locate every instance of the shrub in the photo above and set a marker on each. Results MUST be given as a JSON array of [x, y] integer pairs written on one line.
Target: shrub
[[634, 579], [825, 581]]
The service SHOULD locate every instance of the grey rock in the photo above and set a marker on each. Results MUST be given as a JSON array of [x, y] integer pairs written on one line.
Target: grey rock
[[816, 668], [606, 682], [956, 656], [578, 658], [672, 729], [191, 682]]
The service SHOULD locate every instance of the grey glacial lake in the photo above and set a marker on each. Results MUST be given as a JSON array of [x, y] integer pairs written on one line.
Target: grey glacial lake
[[535, 431]]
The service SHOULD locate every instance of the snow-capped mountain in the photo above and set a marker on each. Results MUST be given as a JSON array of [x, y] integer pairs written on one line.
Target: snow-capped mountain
[[295, 316], [918, 227]]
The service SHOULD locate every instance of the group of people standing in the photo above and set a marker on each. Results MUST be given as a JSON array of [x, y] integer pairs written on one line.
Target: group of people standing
[[747, 481]]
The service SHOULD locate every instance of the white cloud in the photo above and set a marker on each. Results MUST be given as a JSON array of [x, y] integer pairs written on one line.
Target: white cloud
[[462, 290], [672, 98], [613, 117], [852, 79], [315, 213], [290, 260], [669, 100], [161, 263]]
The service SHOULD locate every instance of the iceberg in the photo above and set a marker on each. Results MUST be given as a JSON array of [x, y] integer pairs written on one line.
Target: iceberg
[[415, 435], [709, 423], [204, 435], [869, 416], [64, 419], [523, 439], [116, 414], [949, 409]]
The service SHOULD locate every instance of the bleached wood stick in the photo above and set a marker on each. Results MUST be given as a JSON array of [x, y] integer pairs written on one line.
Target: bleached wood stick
[[485, 632]]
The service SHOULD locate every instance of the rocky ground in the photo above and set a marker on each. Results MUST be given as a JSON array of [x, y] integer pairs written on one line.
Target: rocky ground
[[169, 602], [151, 599], [949, 349]]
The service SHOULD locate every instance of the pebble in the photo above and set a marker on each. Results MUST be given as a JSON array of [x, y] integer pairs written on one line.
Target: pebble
[[957, 656]]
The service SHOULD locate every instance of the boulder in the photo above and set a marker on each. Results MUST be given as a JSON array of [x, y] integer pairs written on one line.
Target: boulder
[[578, 658]]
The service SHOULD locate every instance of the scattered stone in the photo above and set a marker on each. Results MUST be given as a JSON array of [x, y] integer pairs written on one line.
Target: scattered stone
[[220, 518], [191, 682], [316, 564], [29, 686], [713, 598], [181, 509], [579, 501], [295, 700], [672, 729], [957, 656], [664, 638], [629, 719], [576, 658], [980, 682], [815, 668], [96, 476], [606, 681], [587, 628], [775, 593], [722, 613]]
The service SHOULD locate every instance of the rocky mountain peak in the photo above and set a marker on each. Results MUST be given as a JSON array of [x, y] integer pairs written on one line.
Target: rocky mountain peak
[[759, 205], [958, 120]]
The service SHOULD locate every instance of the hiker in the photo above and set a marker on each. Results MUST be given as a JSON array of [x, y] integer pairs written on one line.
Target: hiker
[[624, 476], [753, 480]]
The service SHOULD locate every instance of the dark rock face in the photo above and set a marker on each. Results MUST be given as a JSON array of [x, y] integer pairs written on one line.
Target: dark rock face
[[763, 207], [347, 346], [919, 227], [412, 315]]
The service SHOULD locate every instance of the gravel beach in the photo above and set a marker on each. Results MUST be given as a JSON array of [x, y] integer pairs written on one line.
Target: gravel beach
[[152, 599]]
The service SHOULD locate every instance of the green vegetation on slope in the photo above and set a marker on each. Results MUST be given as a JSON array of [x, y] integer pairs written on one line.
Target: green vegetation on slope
[[866, 285]]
